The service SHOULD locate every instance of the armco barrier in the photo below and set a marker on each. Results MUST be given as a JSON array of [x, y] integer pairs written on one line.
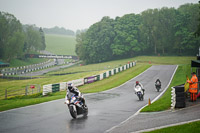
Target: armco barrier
[[90, 79], [77, 82], [101, 76], [97, 77], [104, 75], [114, 71], [107, 74], [62, 86], [47, 89], [55, 87], [119, 69], [178, 97]]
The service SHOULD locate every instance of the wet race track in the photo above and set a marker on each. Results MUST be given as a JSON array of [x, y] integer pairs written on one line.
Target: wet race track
[[106, 109]]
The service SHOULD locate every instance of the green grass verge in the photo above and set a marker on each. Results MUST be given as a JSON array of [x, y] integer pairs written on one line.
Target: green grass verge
[[29, 61], [28, 100], [192, 127], [114, 81], [60, 44], [165, 101]]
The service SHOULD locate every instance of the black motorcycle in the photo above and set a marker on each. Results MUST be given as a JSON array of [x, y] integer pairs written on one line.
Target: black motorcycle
[[76, 107], [158, 86]]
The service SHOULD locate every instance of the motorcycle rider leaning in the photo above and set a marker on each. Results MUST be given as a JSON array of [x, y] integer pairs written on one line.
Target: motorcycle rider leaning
[[158, 82], [140, 84], [71, 89]]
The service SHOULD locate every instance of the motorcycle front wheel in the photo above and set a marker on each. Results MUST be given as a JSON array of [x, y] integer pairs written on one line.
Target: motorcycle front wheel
[[73, 112]]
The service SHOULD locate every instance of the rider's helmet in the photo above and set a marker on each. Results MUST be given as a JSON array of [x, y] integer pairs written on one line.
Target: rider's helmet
[[70, 87], [137, 82]]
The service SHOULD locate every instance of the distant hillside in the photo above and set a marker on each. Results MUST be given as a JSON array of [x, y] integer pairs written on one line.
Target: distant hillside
[[60, 44], [57, 30]]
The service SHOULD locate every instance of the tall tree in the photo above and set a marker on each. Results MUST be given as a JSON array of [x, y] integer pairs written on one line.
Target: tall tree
[[97, 40], [33, 39], [126, 33], [43, 46], [197, 33], [11, 37]]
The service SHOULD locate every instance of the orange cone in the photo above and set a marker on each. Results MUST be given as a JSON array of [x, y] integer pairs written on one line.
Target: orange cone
[[149, 101]]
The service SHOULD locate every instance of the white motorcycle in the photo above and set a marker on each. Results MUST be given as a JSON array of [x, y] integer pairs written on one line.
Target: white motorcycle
[[76, 107], [139, 92]]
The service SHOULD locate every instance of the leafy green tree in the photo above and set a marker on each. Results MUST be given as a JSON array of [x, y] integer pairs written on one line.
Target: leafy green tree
[[33, 40], [95, 43], [80, 49], [147, 29], [11, 37], [197, 33], [185, 27], [43, 46], [126, 33]]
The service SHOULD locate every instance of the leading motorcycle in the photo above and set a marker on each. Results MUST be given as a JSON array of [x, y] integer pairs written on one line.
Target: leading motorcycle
[[139, 92], [76, 107]]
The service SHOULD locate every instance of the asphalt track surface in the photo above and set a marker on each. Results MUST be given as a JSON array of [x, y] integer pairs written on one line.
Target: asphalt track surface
[[156, 120], [106, 109]]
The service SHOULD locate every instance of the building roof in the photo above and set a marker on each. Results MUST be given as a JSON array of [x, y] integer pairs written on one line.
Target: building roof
[[195, 63]]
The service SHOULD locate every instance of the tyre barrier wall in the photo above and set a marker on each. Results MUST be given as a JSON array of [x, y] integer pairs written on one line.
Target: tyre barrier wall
[[178, 98], [50, 88]]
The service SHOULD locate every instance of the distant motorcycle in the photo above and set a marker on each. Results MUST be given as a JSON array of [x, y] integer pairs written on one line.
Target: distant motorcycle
[[76, 107], [158, 86], [139, 92]]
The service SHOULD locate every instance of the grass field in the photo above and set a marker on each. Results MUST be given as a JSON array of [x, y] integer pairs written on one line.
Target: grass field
[[185, 128], [29, 61], [60, 44]]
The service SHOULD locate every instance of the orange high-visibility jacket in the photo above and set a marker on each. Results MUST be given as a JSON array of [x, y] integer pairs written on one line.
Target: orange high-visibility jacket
[[193, 82]]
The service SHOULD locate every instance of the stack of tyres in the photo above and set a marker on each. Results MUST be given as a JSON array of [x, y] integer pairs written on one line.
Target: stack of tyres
[[180, 96]]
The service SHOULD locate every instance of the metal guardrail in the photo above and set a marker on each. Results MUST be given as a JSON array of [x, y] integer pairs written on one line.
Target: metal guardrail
[[78, 82]]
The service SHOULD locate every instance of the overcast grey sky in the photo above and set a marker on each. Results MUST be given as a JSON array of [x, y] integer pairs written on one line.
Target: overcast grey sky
[[78, 14]]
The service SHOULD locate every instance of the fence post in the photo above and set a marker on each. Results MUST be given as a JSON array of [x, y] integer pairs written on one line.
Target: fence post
[[39, 88], [26, 90], [5, 93]]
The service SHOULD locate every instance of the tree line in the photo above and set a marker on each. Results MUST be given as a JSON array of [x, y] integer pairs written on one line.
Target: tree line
[[57, 30], [17, 39], [165, 31]]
